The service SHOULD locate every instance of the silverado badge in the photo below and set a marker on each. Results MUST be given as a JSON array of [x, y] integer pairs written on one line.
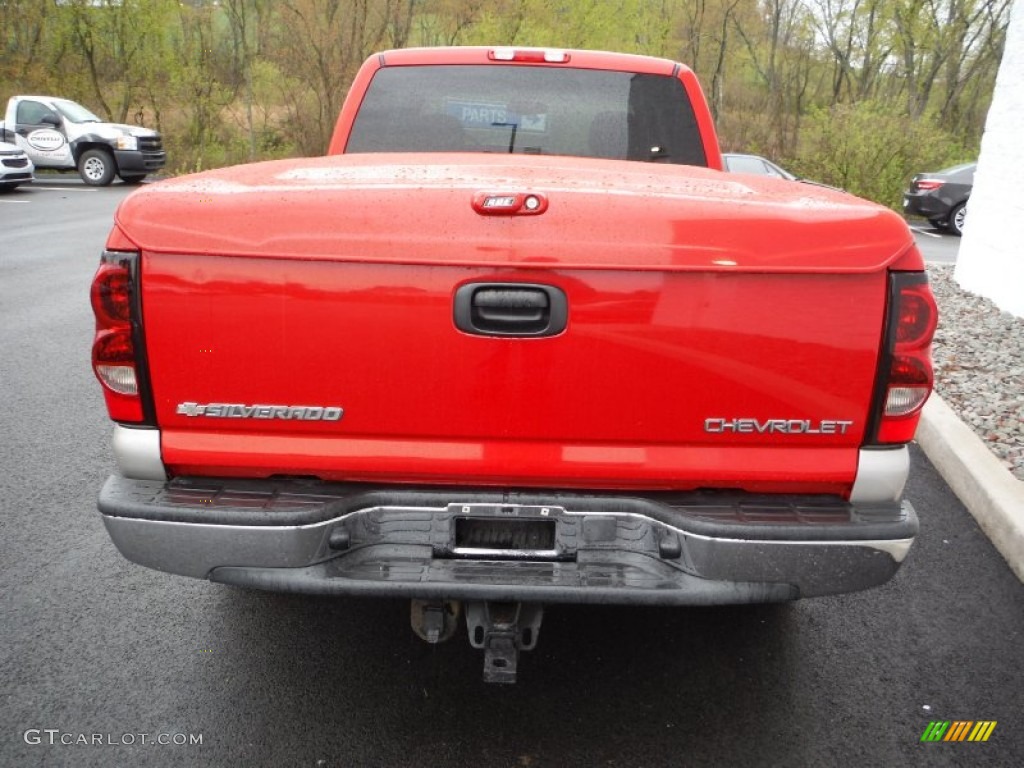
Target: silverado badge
[[240, 411]]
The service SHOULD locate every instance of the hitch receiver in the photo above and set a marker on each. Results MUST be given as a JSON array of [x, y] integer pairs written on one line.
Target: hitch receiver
[[502, 630]]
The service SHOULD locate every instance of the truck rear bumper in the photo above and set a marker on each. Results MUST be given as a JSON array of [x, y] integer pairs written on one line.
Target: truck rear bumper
[[535, 546]]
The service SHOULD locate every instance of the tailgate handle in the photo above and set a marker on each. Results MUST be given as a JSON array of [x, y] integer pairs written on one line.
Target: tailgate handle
[[511, 309]]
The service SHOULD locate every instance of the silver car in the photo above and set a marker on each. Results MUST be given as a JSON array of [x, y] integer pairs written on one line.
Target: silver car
[[735, 163], [15, 167]]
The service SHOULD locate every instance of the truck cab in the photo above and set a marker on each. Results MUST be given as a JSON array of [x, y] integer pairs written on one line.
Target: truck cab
[[62, 135]]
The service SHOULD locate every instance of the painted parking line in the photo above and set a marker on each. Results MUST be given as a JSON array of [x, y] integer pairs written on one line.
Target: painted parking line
[[923, 232], [62, 189], [5, 200]]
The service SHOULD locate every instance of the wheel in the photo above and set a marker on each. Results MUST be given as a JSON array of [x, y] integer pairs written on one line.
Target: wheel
[[956, 219], [96, 167], [132, 178]]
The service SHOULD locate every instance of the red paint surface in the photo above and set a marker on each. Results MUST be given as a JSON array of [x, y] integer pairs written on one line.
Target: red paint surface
[[619, 398], [692, 294]]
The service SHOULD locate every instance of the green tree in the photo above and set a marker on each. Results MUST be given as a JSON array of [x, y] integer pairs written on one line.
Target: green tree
[[870, 150], [319, 45], [202, 85], [120, 44], [24, 43]]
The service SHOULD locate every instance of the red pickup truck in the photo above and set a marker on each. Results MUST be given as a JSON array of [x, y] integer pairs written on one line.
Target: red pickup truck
[[517, 341]]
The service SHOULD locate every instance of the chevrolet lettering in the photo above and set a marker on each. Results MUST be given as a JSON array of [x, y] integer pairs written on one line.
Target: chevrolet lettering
[[778, 426]]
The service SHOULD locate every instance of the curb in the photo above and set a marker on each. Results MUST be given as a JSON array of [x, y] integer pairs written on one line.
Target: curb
[[985, 486]]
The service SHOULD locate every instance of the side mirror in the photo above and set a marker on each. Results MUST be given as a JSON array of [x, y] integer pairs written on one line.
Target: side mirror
[[50, 119]]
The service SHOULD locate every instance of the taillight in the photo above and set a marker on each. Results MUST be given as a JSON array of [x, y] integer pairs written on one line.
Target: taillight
[[927, 185], [111, 294], [905, 375], [115, 359]]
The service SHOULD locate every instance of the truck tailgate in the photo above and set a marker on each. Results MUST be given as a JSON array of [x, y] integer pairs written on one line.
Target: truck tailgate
[[697, 352]]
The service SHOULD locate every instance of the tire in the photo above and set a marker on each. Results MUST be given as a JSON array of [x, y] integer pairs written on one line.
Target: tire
[[132, 178], [96, 167], [956, 219]]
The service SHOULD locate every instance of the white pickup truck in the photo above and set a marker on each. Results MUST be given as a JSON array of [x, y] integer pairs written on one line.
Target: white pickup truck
[[62, 135]]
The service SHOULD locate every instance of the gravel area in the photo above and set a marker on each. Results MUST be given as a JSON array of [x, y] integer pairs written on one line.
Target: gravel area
[[979, 366]]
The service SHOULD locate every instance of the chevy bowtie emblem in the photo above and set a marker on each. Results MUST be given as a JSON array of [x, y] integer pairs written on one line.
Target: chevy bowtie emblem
[[241, 411]]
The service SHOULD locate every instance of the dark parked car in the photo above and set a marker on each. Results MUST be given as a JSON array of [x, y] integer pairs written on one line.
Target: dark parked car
[[941, 197]]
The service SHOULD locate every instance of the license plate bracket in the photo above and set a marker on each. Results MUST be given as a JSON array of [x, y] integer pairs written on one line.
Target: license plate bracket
[[508, 537]]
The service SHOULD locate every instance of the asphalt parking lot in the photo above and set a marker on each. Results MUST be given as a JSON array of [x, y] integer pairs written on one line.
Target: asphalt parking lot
[[93, 645], [937, 245]]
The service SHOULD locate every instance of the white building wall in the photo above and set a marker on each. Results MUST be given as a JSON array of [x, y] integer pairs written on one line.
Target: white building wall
[[991, 260]]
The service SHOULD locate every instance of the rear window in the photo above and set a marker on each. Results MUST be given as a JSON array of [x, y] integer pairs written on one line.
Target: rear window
[[528, 110]]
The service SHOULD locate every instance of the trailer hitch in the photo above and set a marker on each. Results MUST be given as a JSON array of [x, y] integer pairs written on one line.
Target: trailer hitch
[[502, 630]]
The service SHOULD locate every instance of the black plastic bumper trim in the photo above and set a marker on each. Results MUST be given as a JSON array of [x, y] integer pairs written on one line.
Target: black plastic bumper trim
[[441, 580]]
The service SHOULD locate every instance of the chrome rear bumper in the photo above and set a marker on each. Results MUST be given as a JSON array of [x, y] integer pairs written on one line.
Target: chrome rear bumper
[[656, 549]]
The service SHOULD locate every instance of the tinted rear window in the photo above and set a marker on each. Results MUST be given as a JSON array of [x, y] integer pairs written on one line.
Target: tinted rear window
[[528, 110]]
